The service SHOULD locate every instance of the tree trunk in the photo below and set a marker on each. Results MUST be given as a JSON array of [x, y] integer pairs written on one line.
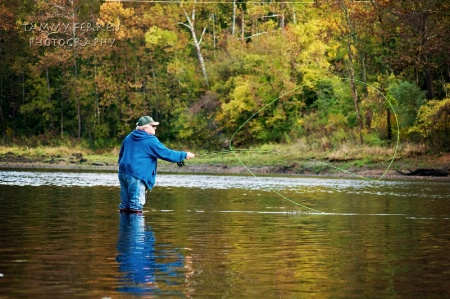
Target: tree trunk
[[202, 64], [197, 42], [62, 118], [429, 80], [388, 124], [2, 115], [49, 98], [355, 99], [243, 26], [233, 28], [23, 103], [351, 70], [155, 109], [75, 70], [13, 105]]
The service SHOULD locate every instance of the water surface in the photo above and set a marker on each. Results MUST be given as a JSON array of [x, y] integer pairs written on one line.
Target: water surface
[[210, 236]]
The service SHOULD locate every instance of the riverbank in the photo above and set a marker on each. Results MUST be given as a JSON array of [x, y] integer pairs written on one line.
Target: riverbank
[[231, 165]]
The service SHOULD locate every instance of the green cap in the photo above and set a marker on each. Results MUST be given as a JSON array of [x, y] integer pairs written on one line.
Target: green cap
[[145, 120]]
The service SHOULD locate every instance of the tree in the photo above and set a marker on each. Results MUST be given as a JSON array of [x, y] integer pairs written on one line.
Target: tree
[[191, 25], [433, 123], [418, 34], [409, 98], [60, 29]]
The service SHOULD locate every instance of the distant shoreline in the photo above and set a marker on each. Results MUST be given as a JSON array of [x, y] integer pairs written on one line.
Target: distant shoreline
[[374, 173], [280, 160]]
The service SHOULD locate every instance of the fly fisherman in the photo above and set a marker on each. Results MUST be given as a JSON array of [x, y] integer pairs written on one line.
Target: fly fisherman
[[138, 163]]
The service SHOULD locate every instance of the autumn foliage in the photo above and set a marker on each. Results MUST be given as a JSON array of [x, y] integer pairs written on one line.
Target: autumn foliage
[[328, 72]]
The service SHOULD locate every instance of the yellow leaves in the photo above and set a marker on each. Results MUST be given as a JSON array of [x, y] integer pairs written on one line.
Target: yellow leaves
[[113, 13], [175, 67], [308, 50], [156, 36], [257, 10], [447, 89], [242, 102], [333, 49], [278, 118], [337, 120], [432, 118], [354, 50]]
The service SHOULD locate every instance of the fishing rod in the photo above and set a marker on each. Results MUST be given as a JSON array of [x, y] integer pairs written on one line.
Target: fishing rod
[[238, 150], [182, 163]]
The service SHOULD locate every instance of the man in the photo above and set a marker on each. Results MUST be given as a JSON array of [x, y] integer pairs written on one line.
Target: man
[[138, 162]]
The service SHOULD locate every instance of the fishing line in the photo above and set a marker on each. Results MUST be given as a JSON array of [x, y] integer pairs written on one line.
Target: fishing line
[[245, 166], [283, 153], [290, 91], [311, 159], [238, 150]]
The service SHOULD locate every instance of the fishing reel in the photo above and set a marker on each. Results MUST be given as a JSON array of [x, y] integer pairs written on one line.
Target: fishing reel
[[180, 164]]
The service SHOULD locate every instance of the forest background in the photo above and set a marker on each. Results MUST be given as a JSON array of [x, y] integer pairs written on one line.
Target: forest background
[[330, 79]]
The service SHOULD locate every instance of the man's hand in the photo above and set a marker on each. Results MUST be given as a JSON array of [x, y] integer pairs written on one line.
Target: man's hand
[[190, 155]]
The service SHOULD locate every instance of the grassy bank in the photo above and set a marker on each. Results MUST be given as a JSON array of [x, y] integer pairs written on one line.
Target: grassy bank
[[50, 154], [299, 158], [273, 158]]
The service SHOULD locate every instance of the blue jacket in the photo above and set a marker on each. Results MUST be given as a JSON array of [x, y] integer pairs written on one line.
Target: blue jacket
[[139, 153]]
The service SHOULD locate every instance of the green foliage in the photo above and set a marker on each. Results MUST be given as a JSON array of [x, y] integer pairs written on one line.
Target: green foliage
[[38, 107], [408, 99], [373, 139], [262, 81], [285, 65], [196, 125]]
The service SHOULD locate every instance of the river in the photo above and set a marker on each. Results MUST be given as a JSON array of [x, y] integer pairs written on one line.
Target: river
[[223, 236]]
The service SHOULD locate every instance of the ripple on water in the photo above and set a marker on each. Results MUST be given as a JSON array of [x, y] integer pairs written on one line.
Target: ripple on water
[[295, 184]]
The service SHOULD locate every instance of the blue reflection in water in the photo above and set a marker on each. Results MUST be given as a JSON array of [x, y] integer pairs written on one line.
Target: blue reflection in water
[[137, 257]]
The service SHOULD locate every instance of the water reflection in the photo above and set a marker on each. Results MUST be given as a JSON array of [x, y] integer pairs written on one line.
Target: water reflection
[[138, 259], [376, 241]]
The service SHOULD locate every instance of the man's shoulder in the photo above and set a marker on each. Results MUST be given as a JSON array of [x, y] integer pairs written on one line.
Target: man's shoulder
[[150, 140]]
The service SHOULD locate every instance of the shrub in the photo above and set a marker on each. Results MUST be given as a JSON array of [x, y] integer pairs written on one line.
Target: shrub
[[433, 123]]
